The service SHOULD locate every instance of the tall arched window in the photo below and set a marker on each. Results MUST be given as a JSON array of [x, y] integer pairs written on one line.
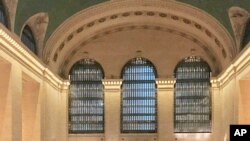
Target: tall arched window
[[28, 39], [139, 103], [86, 98], [192, 109], [3, 16], [246, 37]]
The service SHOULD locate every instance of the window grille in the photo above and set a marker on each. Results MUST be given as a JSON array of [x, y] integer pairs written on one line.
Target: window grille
[[3, 17], [139, 97], [192, 96], [86, 109], [28, 39]]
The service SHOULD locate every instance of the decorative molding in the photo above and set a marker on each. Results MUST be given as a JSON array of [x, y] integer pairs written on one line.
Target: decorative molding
[[12, 46], [238, 65], [163, 84], [112, 84], [111, 14], [70, 60], [146, 14], [214, 82]]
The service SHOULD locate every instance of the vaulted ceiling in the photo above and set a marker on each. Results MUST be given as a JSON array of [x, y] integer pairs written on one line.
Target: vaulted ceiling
[[113, 31]]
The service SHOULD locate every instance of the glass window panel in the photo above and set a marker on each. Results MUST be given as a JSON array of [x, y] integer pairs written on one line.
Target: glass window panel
[[246, 37], [192, 96], [28, 39], [3, 17], [138, 97], [86, 98]]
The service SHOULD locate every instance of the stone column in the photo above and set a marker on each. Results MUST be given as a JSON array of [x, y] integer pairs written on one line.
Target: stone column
[[112, 105]]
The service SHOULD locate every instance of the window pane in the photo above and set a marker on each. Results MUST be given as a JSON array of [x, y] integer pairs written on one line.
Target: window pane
[[246, 37], [3, 17], [192, 96], [139, 97], [86, 98], [28, 39]]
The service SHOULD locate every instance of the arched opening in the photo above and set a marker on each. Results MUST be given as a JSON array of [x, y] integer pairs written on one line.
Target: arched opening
[[86, 102], [192, 98], [28, 39], [139, 105], [3, 16]]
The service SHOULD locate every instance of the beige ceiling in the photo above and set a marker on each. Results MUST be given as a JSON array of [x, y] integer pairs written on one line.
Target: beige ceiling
[[162, 47], [165, 32]]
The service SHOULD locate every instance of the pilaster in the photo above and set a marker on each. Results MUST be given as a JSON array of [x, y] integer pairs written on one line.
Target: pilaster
[[165, 93], [217, 117], [15, 99], [112, 96]]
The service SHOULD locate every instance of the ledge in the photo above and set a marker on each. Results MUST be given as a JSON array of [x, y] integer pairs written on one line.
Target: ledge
[[112, 84], [12, 46]]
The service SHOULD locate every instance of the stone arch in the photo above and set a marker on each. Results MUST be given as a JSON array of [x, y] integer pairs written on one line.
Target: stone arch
[[115, 16], [238, 18], [38, 24], [10, 9]]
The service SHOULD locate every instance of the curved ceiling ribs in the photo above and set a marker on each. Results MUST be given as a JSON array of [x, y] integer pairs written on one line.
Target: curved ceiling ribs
[[69, 57], [38, 24], [111, 17]]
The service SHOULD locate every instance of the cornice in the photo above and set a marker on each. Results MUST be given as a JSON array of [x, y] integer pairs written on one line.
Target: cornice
[[112, 84], [214, 83], [164, 84], [239, 64], [12, 46]]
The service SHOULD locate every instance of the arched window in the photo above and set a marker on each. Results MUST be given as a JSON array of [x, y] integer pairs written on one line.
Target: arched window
[[246, 37], [192, 103], [28, 39], [139, 97], [3, 17], [86, 98]]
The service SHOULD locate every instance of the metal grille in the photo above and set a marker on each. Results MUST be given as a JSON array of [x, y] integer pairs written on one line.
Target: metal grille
[[3, 18], [86, 98], [138, 97], [28, 38], [192, 96]]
